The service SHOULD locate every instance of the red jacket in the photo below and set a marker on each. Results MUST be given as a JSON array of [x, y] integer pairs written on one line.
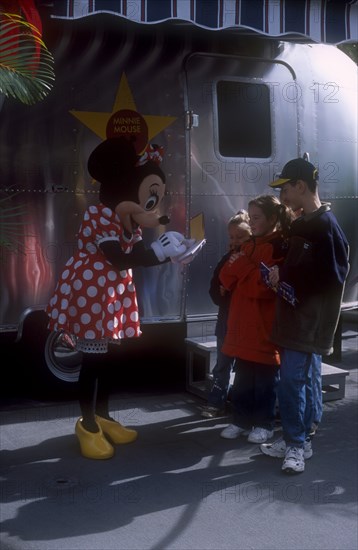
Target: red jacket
[[252, 306]]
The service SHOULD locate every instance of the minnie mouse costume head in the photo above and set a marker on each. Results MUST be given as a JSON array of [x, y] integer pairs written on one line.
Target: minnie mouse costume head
[[131, 185]]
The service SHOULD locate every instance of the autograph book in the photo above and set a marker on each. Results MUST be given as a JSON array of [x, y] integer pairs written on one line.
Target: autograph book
[[284, 290]]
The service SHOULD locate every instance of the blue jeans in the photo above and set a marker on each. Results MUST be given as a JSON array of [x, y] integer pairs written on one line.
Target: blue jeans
[[317, 388], [254, 394], [297, 394]]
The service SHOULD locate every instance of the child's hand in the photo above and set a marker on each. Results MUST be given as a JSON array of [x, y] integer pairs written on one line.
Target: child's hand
[[274, 276], [235, 256], [222, 290]]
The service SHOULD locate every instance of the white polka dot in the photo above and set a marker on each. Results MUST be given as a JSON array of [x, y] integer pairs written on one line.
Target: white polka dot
[[99, 325], [90, 335], [101, 281], [123, 318], [96, 308], [120, 288], [54, 313], [116, 322], [131, 287], [112, 275], [77, 285], [80, 244], [110, 291], [94, 224], [117, 305], [78, 264], [127, 302], [134, 316], [93, 209], [107, 212], [70, 261], [65, 289], [76, 328], [110, 325], [104, 221], [92, 291], [121, 334], [81, 301], [130, 332], [62, 318], [53, 300], [123, 274], [98, 265], [65, 274], [64, 303], [85, 318], [72, 311], [88, 274], [87, 232], [90, 247], [110, 308]]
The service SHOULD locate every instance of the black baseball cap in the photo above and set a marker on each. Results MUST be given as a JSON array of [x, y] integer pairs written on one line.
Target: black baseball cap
[[296, 169]]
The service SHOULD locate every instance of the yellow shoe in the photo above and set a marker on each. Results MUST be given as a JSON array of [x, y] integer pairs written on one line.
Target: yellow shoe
[[115, 431], [93, 445]]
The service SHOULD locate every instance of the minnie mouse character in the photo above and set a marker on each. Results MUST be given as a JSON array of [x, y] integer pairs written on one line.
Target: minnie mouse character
[[95, 297]]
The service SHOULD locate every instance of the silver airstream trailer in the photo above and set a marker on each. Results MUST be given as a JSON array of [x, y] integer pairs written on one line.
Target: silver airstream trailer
[[230, 106]]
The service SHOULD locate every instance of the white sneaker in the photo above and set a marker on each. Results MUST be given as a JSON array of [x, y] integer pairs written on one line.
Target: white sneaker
[[277, 449], [232, 432], [259, 435], [294, 462], [314, 428]]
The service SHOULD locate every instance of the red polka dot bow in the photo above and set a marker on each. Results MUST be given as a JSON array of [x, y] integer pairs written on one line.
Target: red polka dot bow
[[152, 152]]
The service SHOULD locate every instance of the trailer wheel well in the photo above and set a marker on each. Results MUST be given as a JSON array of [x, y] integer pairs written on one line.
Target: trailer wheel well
[[61, 356], [50, 357]]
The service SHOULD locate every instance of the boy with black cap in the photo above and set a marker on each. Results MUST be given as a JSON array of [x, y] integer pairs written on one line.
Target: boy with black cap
[[316, 266]]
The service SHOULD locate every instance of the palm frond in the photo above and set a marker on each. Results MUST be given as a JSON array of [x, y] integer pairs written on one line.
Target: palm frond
[[26, 65]]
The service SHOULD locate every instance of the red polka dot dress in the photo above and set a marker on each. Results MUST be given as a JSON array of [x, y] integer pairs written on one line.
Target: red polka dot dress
[[94, 301]]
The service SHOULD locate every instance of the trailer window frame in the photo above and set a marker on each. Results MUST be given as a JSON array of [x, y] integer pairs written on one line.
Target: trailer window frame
[[237, 103]]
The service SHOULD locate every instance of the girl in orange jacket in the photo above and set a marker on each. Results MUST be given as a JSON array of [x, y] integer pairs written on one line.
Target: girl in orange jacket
[[250, 321]]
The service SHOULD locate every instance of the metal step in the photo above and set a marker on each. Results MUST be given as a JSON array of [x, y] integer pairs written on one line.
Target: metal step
[[201, 359]]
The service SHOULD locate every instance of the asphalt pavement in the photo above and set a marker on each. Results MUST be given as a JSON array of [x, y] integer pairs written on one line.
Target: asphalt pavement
[[180, 485]]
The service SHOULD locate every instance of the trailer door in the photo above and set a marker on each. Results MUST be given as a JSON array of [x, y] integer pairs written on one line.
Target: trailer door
[[242, 127]]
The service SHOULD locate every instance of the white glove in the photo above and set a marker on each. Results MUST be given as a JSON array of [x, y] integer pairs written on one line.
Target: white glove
[[169, 245], [185, 259]]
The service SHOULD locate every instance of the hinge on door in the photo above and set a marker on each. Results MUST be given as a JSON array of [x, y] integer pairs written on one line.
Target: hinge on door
[[191, 120]]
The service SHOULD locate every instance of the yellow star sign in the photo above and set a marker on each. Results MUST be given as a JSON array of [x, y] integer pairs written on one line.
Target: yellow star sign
[[124, 120]]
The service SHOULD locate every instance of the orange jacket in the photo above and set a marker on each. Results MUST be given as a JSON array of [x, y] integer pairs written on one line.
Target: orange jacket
[[252, 305]]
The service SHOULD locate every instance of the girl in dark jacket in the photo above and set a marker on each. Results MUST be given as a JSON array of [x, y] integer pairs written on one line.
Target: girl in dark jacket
[[239, 231]]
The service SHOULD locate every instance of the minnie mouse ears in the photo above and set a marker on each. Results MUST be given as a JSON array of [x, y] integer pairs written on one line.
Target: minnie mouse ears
[[110, 159], [115, 157]]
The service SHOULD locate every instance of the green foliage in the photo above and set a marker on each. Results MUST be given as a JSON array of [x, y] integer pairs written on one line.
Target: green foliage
[[26, 65], [27, 75]]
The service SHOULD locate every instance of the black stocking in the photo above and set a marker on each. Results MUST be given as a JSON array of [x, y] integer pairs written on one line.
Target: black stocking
[[104, 383], [87, 389]]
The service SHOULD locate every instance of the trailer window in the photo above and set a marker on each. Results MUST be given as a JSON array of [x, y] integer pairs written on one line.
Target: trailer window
[[244, 119]]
